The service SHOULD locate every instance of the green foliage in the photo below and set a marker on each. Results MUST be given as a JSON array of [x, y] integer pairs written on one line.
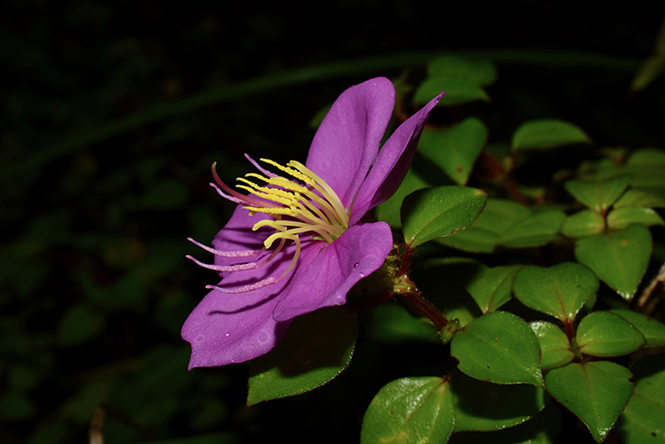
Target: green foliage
[[315, 350], [596, 392], [410, 410], [547, 133], [439, 212]]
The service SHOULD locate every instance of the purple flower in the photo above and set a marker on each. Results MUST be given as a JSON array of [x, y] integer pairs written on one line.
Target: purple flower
[[295, 242]]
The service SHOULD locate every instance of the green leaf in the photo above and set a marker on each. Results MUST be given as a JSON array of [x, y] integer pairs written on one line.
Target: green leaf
[[478, 72], [639, 199], [537, 229], [642, 420], [79, 324], [622, 217], [619, 258], [543, 428], [558, 291], [547, 133], [392, 323], [410, 410], [482, 236], [457, 90], [584, 223], [554, 344], [483, 406], [598, 196], [315, 349], [498, 347], [606, 334], [652, 330], [491, 287], [596, 392], [441, 211], [389, 210], [455, 149]]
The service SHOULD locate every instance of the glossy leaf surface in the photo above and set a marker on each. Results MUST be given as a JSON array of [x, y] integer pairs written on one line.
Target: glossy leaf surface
[[652, 330], [538, 229], [437, 212], [498, 347], [596, 392], [598, 196], [605, 334], [410, 410], [558, 291], [619, 258], [554, 344]]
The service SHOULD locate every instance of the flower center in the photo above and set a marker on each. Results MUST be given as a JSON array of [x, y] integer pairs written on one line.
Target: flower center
[[300, 204]]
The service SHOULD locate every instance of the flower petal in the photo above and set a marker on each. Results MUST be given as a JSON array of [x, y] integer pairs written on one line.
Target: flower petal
[[229, 328], [348, 139], [392, 163], [360, 251]]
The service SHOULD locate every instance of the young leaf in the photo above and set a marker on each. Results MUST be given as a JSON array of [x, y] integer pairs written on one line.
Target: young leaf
[[455, 149], [642, 420], [547, 133], [652, 330], [491, 287], [537, 229], [498, 347], [622, 217], [606, 334], [554, 344], [410, 410], [441, 211], [595, 391], [482, 236], [619, 258], [315, 349], [558, 291], [584, 223], [483, 406], [598, 196], [457, 90]]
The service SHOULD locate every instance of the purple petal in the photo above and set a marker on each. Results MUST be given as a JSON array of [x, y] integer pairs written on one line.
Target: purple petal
[[348, 139], [229, 328], [392, 163], [360, 251]]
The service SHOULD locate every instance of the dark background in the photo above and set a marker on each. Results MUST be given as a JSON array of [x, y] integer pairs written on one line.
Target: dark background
[[112, 115]]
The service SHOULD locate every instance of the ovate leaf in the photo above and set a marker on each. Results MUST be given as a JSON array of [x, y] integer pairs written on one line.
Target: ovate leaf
[[498, 347], [410, 410], [606, 334], [554, 344], [315, 349], [596, 392], [652, 330], [558, 291], [537, 229], [547, 133], [584, 223], [599, 195], [619, 258], [483, 406], [457, 90], [491, 287], [441, 211], [622, 217], [478, 72], [455, 149]]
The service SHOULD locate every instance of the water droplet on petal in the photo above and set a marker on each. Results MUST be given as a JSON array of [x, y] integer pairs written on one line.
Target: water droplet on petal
[[362, 275], [263, 336], [199, 338], [227, 334], [356, 265]]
